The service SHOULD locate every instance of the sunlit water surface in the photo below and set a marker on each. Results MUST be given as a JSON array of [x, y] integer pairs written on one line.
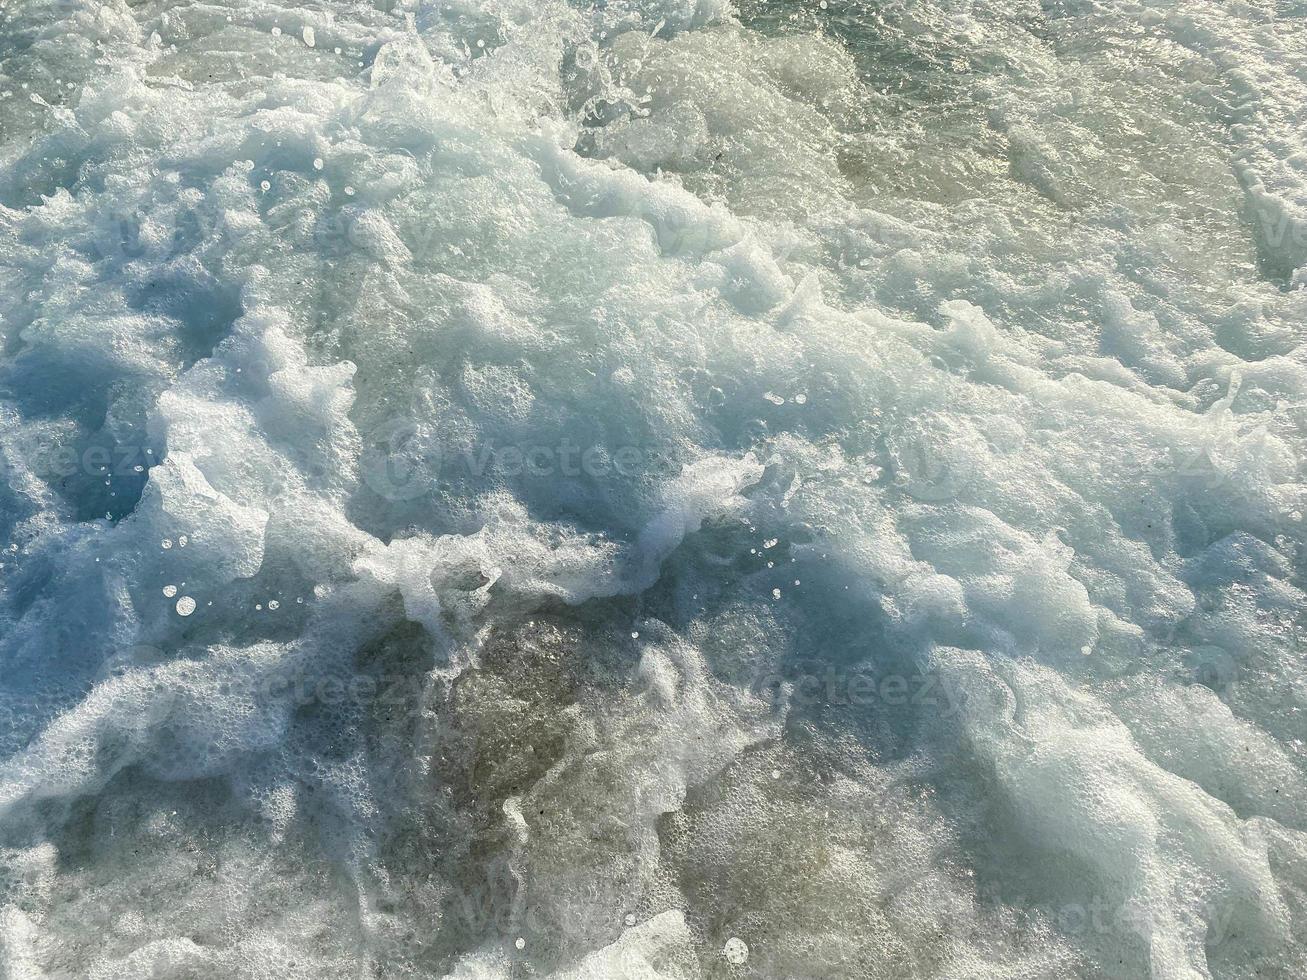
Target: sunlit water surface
[[664, 490]]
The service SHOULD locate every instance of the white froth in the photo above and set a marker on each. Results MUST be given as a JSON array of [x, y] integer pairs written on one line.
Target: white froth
[[928, 387]]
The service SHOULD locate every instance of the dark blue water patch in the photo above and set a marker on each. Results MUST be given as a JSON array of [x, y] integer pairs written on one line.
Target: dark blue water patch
[[108, 479], [203, 308]]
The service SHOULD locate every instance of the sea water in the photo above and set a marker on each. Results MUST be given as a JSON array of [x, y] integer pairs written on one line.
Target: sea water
[[653, 489]]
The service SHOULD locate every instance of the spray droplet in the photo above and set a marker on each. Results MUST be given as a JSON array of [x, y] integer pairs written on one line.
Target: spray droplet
[[166, 543], [185, 606], [170, 590], [735, 951]]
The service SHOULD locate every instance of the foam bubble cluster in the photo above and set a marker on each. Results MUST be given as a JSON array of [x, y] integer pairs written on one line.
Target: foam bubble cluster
[[653, 489]]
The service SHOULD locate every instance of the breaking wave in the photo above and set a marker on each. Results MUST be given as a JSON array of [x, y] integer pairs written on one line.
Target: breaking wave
[[657, 489]]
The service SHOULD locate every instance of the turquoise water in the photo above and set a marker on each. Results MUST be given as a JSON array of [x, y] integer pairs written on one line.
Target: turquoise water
[[655, 490]]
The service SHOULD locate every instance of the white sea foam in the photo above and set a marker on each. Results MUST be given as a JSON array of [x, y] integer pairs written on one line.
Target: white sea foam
[[656, 489]]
